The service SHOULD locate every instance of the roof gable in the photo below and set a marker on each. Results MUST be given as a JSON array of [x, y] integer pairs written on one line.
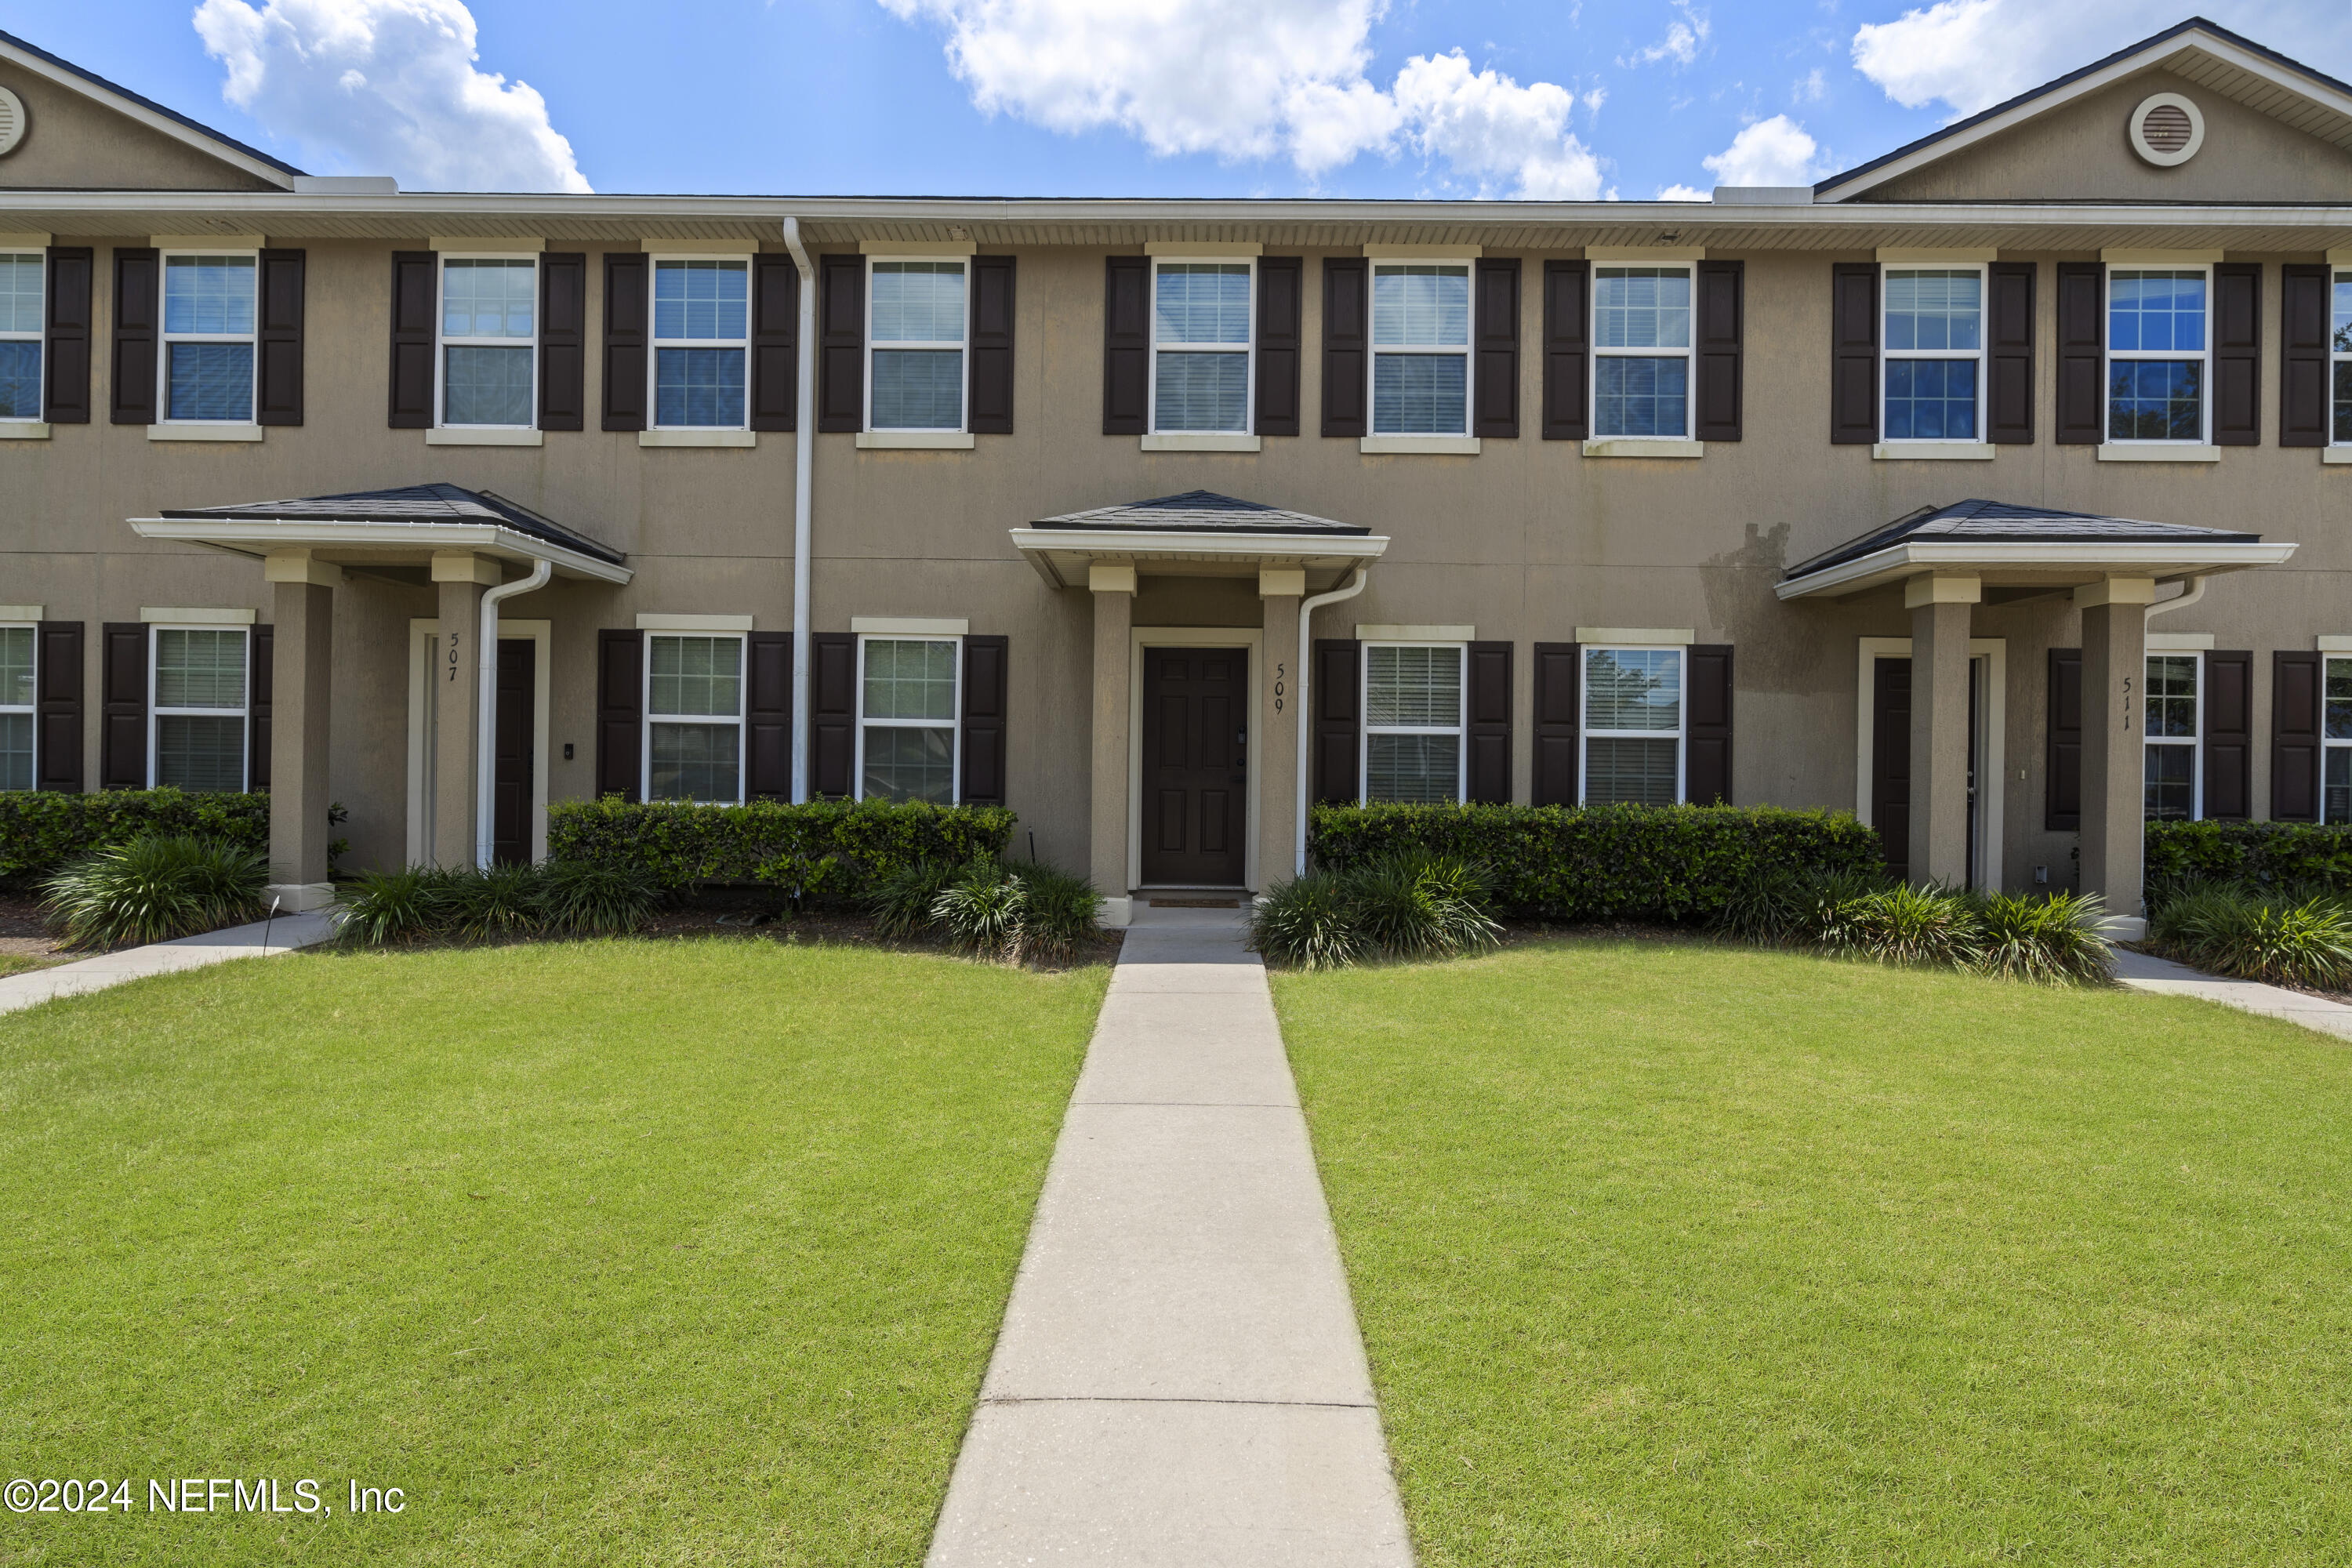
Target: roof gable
[[85, 132]]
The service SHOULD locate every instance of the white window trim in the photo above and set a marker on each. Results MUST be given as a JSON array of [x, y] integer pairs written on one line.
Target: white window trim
[[2326, 746], [954, 723], [38, 337], [1976, 355], [742, 699], [962, 346], [1586, 735], [2194, 744], [1459, 729], [165, 339], [1247, 348], [242, 712], [442, 343], [1468, 262], [654, 343], [1689, 353], [2109, 354], [30, 710]]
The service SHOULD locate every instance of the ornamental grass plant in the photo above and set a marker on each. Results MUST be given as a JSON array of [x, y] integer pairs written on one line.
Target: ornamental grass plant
[[1407, 903], [156, 887], [2050, 939], [2282, 938]]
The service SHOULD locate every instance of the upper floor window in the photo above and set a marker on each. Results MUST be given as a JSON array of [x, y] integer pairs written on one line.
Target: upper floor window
[[208, 314], [1421, 348], [2336, 730], [2156, 354], [21, 320], [906, 728], [199, 710], [2174, 783], [1641, 352], [2341, 345], [694, 719], [15, 707], [1633, 711], [1413, 712], [1935, 353], [702, 325], [1201, 345], [489, 315], [915, 341]]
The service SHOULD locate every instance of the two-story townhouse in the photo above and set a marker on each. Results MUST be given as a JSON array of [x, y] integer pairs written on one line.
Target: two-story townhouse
[[1987, 489]]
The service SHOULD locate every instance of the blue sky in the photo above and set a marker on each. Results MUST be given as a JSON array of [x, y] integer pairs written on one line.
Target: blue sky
[[1174, 98]]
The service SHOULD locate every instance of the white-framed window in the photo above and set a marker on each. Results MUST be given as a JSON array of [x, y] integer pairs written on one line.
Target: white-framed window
[[196, 713], [1421, 348], [1932, 385], [22, 275], [1642, 352], [2336, 739], [1415, 711], [490, 341], [16, 697], [2340, 345], [2175, 727], [916, 322], [2157, 349], [694, 716], [1633, 707], [909, 735], [1203, 363], [210, 301], [702, 333]]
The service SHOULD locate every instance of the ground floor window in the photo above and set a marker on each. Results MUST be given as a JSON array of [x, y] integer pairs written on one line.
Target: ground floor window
[[2173, 788], [2336, 730], [907, 710], [1413, 721], [1633, 711], [15, 707], [199, 708], [694, 718]]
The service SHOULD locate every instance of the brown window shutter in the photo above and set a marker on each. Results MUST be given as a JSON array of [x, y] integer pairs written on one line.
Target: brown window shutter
[[1346, 373], [122, 712], [775, 342], [841, 343], [2230, 736], [990, 410], [57, 706], [1127, 345], [1565, 372], [1494, 350], [1707, 744], [767, 716], [2238, 354], [2294, 736], [1281, 326], [1490, 723], [2008, 353], [1721, 308], [1338, 672], [260, 683], [410, 401], [1557, 687], [2063, 783], [138, 308], [564, 340], [620, 712], [628, 334], [2306, 312], [278, 339], [833, 714], [64, 352], [1853, 353], [984, 721], [2082, 343]]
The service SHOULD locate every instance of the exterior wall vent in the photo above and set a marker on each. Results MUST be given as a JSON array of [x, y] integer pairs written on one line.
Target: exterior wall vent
[[12, 122], [2166, 129]]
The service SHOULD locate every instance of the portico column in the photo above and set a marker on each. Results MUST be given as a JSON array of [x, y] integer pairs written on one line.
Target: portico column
[[2114, 670], [1941, 609], [456, 697], [302, 677], [1275, 730], [1114, 594]]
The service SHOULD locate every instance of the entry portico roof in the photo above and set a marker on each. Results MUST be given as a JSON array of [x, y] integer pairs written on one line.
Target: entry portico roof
[[1199, 534], [400, 526], [2030, 547]]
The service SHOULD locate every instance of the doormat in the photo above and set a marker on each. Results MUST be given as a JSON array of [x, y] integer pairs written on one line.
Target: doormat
[[1196, 903]]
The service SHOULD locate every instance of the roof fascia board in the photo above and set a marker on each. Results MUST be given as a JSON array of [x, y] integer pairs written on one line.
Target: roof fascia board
[[325, 533], [1882, 566], [1155, 541], [178, 131]]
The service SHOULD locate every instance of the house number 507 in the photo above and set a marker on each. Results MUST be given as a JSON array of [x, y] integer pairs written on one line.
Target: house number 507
[[453, 657]]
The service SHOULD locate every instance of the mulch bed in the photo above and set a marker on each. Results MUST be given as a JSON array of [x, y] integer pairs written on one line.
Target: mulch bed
[[22, 930]]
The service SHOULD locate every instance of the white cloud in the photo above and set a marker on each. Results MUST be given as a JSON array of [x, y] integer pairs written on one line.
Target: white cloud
[[1683, 36], [1488, 126], [1811, 89], [387, 86], [1774, 152], [1684, 193]]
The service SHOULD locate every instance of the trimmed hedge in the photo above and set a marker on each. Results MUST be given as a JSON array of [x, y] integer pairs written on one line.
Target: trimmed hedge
[[836, 848], [2264, 857], [1567, 863], [41, 830]]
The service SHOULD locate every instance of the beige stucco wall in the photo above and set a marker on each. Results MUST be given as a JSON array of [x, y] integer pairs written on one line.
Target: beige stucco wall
[[73, 144]]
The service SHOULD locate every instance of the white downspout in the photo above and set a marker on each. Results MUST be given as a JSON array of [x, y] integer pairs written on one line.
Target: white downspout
[[1307, 608], [2181, 601], [804, 504], [486, 741]]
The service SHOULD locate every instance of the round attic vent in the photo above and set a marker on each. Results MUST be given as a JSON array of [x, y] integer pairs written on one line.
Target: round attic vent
[[12, 122], [2166, 129]]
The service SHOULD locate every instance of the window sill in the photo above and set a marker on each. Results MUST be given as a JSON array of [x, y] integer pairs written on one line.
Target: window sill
[[1645, 447], [698, 438], [2157, 452], [1933, 451], [23, 430], [1204, 441], [1409, 446], [2326, 453], [914, 441], [203, 432], [480, 436]]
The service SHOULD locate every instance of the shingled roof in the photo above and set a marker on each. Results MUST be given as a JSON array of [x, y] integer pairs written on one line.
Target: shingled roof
[[1993, 521], [1199, 511], [424, 505]]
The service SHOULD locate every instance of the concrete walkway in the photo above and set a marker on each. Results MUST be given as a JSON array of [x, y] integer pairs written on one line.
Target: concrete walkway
[[2143, 972], [1180, 1381], [286, 934]]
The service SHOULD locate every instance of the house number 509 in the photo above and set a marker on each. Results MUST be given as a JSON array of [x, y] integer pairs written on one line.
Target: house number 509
[[1279, 687]]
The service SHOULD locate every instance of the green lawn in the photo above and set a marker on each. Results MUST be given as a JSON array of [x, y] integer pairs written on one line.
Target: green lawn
[[1679, 1254], [23, 963], [605, 1253]]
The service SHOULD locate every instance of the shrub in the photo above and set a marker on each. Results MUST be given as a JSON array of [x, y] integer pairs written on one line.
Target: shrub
[[581, 898], [156, 887], [901, 900], [2268, 857], [1406, 904], [2233, 930], [982, 906], [2052, 940], [1851, 914], [379, 907], [1061, 913], [842, 848], [42, 830], [485, 905], [1835, 909], [1309, 924]]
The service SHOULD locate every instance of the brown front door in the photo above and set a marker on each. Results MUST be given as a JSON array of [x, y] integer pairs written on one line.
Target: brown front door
[[1195, 766], [516, 737]]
